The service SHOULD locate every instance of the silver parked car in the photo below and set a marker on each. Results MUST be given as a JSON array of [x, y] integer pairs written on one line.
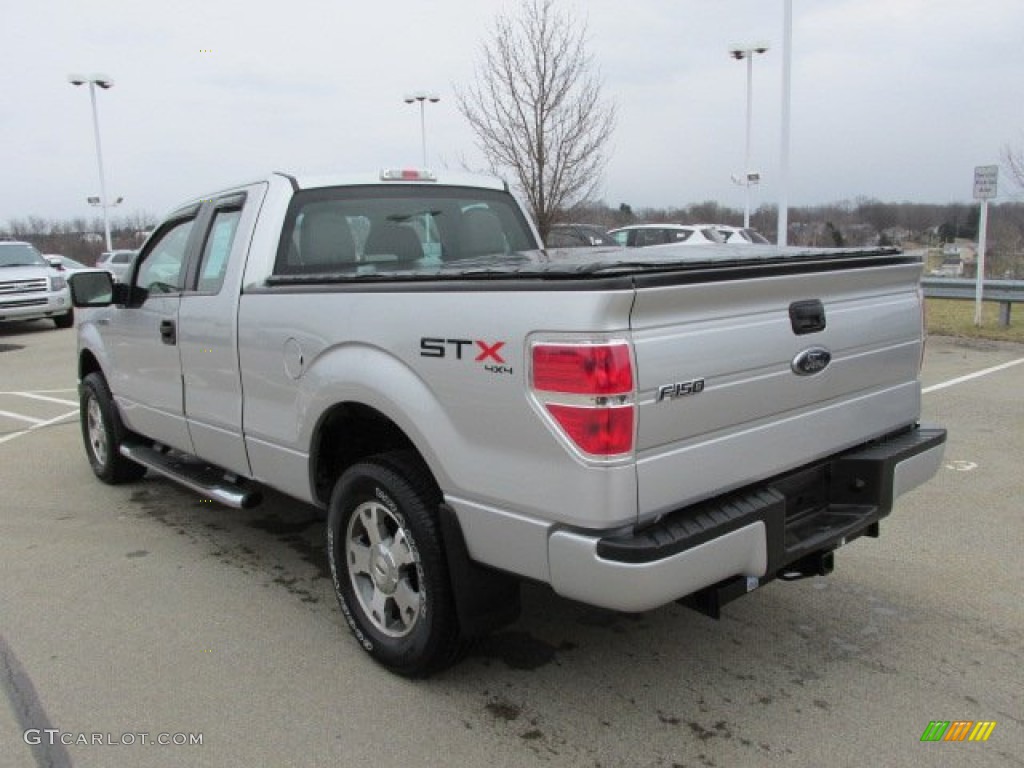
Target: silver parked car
[[117, 263]]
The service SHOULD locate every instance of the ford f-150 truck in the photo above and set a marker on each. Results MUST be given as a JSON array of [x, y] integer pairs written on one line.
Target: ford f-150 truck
[[629, 426]]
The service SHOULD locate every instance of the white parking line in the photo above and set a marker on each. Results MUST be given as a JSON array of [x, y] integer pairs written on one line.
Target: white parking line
[[19, 417], [40, 425], [42, 391], [970, 376], [46, 398]]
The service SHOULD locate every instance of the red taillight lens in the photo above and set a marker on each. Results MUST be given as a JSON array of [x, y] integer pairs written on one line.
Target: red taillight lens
[[599, 431], [583, 369], [588, 392]]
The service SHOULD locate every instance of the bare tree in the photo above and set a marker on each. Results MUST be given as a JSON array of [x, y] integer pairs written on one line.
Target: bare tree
[[1013, 159], [537, 111]]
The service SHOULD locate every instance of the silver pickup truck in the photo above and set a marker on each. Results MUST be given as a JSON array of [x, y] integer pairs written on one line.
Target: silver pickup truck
[[631, 427]]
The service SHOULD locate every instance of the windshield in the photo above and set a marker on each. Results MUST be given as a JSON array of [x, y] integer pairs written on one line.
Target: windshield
[[20, 255], [365, 230]]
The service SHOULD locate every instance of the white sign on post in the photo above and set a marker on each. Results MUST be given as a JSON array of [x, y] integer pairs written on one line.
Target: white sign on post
[[986, 180]]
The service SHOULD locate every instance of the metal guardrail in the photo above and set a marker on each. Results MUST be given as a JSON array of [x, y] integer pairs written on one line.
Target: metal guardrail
[[1006, 292]]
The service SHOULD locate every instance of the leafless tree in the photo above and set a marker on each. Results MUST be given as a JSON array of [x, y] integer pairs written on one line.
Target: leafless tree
[[537, 109], [1013, 160]]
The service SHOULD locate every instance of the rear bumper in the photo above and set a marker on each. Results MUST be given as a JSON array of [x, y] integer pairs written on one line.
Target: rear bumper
[[748, 537]]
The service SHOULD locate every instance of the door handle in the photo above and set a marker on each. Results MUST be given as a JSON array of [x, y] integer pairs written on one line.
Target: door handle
[[168, 332]]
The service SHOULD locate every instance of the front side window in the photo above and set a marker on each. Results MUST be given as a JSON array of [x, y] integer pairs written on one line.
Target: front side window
[[163, 268], [379, 229]]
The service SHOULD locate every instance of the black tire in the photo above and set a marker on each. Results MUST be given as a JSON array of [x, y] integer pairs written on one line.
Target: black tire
[[103, 432], [388, 565], [66, 320]]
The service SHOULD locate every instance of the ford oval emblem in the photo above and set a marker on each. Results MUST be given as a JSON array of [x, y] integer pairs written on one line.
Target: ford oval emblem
[[811, 361]]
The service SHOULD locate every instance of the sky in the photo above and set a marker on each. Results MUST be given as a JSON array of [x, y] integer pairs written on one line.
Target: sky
[[896, 100]]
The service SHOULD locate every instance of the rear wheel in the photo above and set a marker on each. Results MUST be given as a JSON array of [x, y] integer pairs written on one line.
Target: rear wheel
[[103, 432], [388, 565]]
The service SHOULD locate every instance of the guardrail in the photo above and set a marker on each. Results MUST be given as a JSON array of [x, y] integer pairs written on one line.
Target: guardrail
[[1006, 292]]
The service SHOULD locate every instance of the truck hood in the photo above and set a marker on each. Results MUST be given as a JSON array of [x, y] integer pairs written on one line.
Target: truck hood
[[30, 272]]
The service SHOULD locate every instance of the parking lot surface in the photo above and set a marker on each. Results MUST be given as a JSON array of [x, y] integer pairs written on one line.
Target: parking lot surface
[[142, 609]]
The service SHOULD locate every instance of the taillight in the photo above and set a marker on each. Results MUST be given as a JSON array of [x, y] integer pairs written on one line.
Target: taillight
[[583, 369], [588, 391]]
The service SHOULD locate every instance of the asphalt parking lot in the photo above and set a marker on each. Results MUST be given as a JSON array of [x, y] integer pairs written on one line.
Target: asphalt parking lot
[[142, 609]]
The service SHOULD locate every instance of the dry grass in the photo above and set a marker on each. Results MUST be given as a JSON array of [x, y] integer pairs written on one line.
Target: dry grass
[[955, 317]]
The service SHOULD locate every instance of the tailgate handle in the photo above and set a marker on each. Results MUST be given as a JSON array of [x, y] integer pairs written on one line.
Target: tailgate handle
[[807, 316]]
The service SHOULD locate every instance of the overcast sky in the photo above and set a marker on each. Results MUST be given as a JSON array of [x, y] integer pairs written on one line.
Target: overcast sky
[[893, 99]]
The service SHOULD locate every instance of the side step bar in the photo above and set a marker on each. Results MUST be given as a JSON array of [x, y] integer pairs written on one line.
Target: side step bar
[[204, 479]]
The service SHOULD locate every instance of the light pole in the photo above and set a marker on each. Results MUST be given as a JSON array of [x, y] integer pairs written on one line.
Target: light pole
[[787, 70], [740, 52], [103, 82], [421, 97]]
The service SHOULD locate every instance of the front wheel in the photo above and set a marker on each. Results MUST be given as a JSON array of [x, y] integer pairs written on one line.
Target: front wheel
[[66, 320], [388, 565], [103, 432]]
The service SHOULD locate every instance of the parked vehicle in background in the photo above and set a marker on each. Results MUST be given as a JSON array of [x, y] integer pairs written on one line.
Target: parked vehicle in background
[[31, 289], [578, 236], [641, 235], [67, 265], [117, 263], [741, 235]]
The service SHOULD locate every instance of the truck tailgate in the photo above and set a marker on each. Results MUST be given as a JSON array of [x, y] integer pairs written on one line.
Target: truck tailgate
[[727, 387]]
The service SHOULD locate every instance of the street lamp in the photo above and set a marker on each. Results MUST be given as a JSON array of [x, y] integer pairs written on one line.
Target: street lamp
[[740, 52], [787, 87], [421, 97], [103, 82]]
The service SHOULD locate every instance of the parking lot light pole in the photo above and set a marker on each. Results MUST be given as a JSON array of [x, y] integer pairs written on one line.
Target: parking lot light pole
[[787, 87], [421, 97], [103, 82], [740, 52]]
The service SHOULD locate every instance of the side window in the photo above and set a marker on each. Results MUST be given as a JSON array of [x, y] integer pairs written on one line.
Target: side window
[[622, 238], [217, 249], [650, 237], [163, 268]]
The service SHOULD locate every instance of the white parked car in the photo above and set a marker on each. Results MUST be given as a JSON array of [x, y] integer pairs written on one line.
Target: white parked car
[[639, 235], [30, 288], [117, 263]]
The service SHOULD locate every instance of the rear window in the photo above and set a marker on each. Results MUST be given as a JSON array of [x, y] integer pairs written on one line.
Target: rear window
[[369, 229], [124, 257]]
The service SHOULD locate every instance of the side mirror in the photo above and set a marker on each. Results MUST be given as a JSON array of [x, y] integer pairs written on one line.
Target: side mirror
[[92, 289], [55, 262]]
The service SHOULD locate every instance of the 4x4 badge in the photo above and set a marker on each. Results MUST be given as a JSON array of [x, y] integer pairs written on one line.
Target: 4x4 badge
[[811, 361]]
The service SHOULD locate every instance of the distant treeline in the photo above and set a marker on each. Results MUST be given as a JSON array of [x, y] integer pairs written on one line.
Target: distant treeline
[[848, 223], [80, 238]]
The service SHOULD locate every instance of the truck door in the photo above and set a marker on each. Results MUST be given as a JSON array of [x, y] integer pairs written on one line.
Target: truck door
[[207, 329], [143, 336]]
